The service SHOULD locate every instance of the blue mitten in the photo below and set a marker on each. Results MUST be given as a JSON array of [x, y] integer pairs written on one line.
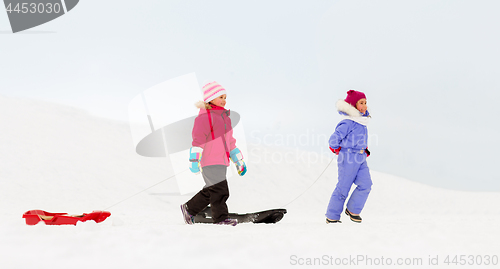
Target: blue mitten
[[237, 159], [195, 158]]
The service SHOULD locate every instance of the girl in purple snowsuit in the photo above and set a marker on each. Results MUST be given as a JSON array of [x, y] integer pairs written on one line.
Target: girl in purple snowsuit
[[349, 142]]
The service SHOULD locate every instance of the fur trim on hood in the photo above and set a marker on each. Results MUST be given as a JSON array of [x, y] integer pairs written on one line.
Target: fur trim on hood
[[347, 108], [352, 113], [203, 105]]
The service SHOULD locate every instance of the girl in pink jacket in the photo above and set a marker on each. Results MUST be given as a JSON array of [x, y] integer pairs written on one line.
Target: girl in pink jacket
[[213, 146]]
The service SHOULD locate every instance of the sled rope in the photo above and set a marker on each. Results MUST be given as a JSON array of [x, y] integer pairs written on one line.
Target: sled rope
[[311, 184], [158, 183], [154, 185]]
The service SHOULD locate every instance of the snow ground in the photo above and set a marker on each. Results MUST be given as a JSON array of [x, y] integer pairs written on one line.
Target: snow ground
[[60, 159]]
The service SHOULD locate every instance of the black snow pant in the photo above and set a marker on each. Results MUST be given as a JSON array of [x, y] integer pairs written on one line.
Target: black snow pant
[[215, 193]]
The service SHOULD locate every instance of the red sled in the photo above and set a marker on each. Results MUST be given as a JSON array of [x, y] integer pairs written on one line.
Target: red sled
[[33, 217]]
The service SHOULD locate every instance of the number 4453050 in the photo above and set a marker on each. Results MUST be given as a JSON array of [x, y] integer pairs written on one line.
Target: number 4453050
[[34, 8]]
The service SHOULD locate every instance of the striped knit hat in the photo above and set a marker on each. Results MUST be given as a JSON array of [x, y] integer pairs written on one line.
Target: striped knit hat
[[212, 90]]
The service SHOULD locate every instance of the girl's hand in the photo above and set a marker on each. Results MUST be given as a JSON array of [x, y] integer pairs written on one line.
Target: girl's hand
[[336, 151], [241, 167], [195, 167], [194, 159], [237, 158]]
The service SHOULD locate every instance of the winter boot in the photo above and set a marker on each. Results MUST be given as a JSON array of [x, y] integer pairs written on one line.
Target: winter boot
[[232, 222], [355, 218], [188, 218], [332, 221]]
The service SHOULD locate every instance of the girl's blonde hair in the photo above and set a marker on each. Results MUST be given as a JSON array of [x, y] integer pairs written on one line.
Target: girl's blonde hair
[[201, 104]]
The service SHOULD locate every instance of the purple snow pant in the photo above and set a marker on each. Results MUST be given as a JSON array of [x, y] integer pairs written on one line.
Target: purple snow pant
[[352, 169]]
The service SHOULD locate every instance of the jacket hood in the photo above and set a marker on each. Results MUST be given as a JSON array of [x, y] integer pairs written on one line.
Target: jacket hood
[[215, 110], [200, 104], [347, 109], [203, 105]]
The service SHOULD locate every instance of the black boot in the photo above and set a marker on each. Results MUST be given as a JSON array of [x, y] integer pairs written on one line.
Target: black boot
[[332, 221], [353, 217]]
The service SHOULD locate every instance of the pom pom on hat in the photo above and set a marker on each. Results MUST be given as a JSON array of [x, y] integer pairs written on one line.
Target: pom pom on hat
[[212, 90], [353, 97]]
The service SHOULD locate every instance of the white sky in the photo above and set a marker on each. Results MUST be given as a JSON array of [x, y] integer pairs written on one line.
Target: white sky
[[429, 69]]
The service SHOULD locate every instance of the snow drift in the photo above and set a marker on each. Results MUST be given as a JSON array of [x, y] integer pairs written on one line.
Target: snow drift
[[61, 159]]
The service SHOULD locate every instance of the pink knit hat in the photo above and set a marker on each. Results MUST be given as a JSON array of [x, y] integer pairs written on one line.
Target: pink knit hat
[[353, 97], [212, 90]]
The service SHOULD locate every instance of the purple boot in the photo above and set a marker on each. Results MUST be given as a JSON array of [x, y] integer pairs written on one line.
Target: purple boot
[[188, 218]]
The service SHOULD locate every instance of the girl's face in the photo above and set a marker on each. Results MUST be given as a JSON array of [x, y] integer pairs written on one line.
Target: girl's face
[[219, 101], [361, 105]]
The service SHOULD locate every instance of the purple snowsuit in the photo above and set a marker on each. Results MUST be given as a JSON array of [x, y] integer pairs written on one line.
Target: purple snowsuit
[[352, 137]]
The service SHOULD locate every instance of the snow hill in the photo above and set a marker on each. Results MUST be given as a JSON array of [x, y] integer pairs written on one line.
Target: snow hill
[[60, 159]]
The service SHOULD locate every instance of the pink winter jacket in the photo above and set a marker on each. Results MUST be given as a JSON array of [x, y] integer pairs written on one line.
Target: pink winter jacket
[[215, 151]]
